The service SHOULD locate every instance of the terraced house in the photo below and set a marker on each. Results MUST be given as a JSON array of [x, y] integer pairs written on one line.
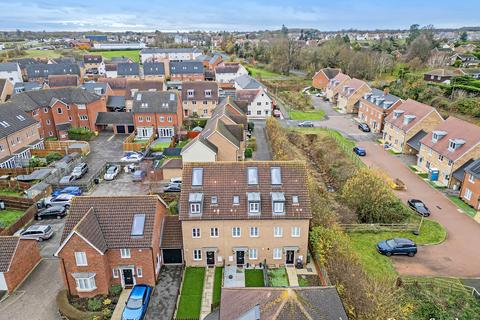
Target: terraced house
[[187, 71], [244, 213], [321, 79], [199, 98], [375, 106], [41, 71]]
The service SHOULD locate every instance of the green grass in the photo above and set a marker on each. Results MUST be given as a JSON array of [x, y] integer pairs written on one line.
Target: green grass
[[134, 55], [217, 286], [381, 266], [413, 168], [263, 73], [41, 54], [191, 293], [8, 217], [10, 193], [393, 152], [307, 115], [463, 206], [278, 277], [303, 282], [254, 278], [182, 143]]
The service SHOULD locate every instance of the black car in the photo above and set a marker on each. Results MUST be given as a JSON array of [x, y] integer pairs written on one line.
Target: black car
[[419, 207], [364, 127], [57, 212]]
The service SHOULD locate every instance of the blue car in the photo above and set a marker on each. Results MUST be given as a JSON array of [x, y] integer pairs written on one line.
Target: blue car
[[397, 246], [137, 303], [360, 151], [74, 191]]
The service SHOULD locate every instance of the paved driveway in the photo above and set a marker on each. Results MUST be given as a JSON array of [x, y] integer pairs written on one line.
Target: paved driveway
[[263, 151], [164, 299], [121, 186], [459, 255]]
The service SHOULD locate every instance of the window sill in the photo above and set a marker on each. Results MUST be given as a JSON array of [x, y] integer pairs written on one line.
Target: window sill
[[86, 290]]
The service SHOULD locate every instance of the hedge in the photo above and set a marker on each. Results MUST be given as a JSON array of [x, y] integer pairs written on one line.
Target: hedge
[[69, 311], [248, 153], [78, 133]]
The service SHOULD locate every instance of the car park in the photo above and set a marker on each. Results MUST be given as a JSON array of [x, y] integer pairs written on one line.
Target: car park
[[137, 302], [361, 152], [67, 179], [36, 232], [305, 124], [111, 173], [397, 246], [79, 170], [57, 212], [76, 191], [364, 127], [419, 207], [173, 187], [132, 157], [63, 200]]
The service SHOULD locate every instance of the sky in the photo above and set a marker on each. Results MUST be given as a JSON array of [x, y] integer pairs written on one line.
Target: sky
[[236, 15]]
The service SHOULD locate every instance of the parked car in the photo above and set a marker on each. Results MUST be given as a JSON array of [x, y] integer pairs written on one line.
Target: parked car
[[360, 151], [138, 175], [137, 302], [57, 212], [419, 207], [76, 191], [132, 157], [37, 232], [277, 113], [176, 180], [305, 124], [397, 246], [173, 187], [111, 173], [67, 179], [364, 127], [63, 200], [80, 170]]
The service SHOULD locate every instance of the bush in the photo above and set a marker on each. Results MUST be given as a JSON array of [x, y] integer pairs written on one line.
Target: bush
[[94, 304], [53, 156], [79, 133], [248, 153], [69, 311], [107, 313], [36, 162], [250, 126], [173, 207], [115, 290]]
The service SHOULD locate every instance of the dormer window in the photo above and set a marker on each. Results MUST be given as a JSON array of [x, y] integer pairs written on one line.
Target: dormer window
[[397, 113], [197, 176], [276, 175], [190, 92], [437, 135], [195, 201], [408, 118], [278, 202], [252, 175], [208, 93], [253, 202], [454, 144]]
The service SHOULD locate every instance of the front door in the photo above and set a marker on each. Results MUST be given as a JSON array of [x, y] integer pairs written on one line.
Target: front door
[[210, 258], [128, 277], [290, 256], [240, 258]]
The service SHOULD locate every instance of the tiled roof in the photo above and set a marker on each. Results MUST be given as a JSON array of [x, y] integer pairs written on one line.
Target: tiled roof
[[340, 77], [169, 50], [443, 73], [246, 95], [199, 88], [227, 179], [105, 118], [134, 85], [116, 101], [44, 70], [380, 99], [409, 108], [128, 69], [92, 86], [13, 119], [247, 82], [355, 84], [90, 58], [114, 216], [414, 141], [172, 233], [155, 101], [227, 68], [8, 245], [115, 83], [67, 80], [455, 129], [90, 229], [174, 163], [154, 68], [8, 66], [186, 67]]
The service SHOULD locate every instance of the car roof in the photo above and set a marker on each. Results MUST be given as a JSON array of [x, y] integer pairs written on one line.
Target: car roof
[[71, 188], [37, 227], [138, 291], [403, 240], [64, 196], [360, 148]]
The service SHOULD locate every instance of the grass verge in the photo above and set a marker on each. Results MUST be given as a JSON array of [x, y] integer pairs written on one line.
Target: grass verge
[[217, 286], [191, 293], [278, 277], [463, 206], [254, 278], [8, 217], [307, 115]]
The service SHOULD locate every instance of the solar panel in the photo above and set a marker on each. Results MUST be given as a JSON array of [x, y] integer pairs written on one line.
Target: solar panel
[[138, 224]]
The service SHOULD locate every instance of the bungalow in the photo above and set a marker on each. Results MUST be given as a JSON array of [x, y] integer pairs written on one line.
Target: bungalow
[[472, 72], [260, 104], [349, 97], [199, 98], [321, 79], [375, 106], [335, 86], [408, 124], [447, 148]]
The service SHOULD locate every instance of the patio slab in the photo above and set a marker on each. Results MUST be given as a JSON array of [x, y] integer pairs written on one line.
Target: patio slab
[[233, 277]]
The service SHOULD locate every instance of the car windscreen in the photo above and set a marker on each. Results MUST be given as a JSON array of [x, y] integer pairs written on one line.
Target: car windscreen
[[391, 243], [134, 303], [111, 170], [47, 229]]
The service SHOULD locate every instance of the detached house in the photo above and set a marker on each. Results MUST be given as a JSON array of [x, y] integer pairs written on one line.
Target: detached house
[[157, 113], [375, 106], [244, 213], [199, 98], [245, 82], [408, 124], [321, 79], [228, 72], [349, 97], [111, 241], [260, 105], [187, 71], [335, 85], [447, 148]]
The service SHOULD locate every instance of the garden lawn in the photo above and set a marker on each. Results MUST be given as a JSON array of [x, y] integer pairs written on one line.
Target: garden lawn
[[10, 193], [217, 286], [8, 217], [160, 146], [364, 243], [254, 278], [134, 55], [182, 143], [463, 206], [263, 73], [191, 293], [307, 115], [278, 277]]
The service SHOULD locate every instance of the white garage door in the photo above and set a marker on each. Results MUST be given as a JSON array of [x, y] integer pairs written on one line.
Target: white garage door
[[3, 283]]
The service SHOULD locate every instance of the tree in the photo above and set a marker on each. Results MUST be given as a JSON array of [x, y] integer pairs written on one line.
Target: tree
[[464, 36], [414, 33], [420, 48]]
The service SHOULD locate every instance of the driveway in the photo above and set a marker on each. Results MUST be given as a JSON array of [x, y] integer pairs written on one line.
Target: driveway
[[164, 299], [458, 255], [121, 186], [263, 151]]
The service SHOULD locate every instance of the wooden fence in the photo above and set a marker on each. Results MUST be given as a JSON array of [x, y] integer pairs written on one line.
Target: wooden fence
[[17, 202], [379, 227], [17, 171], [444, 284], [45, 152], [65, 144], [129, 143], [14, 184], [23, 220]]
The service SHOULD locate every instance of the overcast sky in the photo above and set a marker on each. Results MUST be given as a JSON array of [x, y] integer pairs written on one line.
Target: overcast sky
[[237, 15]]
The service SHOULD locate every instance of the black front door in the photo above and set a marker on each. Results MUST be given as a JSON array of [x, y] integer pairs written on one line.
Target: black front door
[[290, 257], [240, 257], [210, 258], [128, 277]]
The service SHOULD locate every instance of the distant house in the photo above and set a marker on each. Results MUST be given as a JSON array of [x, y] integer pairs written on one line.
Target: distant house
[[20, 87], [260, 104], [408, 124], [94, 65], [441, 75], [11, 71], [472, 72], [6, 89], [210, 62], [40, 72], [199, 98], [170, 54], [18, 257], [111, 70], [154, 70], [157, 113], [449, 146], [99, 88], [348, 100], [245, 81], [62, 81], [335, 86], [465, 48], [321, 79], [187, 71], [228, 72], [128, 70], [470, 191], [375, 106], [466, 60]]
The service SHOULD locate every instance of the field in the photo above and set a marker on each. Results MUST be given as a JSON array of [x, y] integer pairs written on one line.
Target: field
[[42, 54], [132, 54], [307, 115]]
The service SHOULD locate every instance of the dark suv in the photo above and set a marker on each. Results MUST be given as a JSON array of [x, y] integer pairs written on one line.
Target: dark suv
[[397, 246]]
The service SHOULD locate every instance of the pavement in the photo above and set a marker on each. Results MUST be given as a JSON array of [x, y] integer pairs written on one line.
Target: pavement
[[233, 277], [122, 185], [207, 294], [163, 301], [292, 277], [263, 151], [117, 313], [457, 256]]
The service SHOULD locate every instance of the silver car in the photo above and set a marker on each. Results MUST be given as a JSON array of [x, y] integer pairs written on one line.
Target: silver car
[[111, 173], [37, 232]]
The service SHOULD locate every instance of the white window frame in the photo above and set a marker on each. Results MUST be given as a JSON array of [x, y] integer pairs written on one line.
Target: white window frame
[[254, 207], [125, 253], [116, 272], [254, 234], [275, 207], [295, 232], [277, 232], [197, 254], [195, 208], [139, 272], [195, 233], [471, 178], [86, 284], [252, 254], [277, 253], [236, 234], [214, 232], [468, 194], [81, 259]]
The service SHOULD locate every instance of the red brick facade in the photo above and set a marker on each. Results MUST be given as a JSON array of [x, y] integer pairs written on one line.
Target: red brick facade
[[470, 192], [187, 77], [374, 115], [27, 256]]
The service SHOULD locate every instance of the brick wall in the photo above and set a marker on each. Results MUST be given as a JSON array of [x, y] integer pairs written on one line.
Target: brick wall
[[25, 259]]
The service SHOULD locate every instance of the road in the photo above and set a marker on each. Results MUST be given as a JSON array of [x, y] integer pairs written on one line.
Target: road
[[263, 151], [457, 256]]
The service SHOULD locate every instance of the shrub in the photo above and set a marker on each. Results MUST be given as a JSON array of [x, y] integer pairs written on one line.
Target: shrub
[[36, 162], [79, 133], [107, 302], [53, 156], [248, 153], [94, 304], [115, 290], [250, 126], [173, 207], [107, 313], [69, 311]]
